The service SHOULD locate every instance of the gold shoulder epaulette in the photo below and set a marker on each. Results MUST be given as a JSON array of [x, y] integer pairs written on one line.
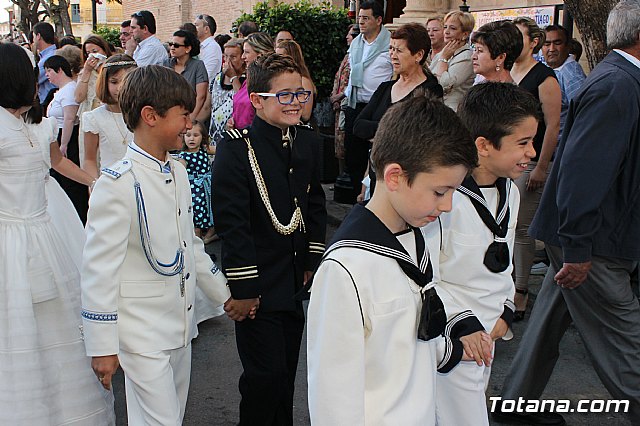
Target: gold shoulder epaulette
[[236, 134]]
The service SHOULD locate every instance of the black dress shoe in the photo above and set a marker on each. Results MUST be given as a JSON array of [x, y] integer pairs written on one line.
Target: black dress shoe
[[528, 418]]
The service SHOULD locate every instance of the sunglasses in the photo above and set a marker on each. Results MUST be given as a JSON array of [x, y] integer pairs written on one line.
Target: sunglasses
[[176, 45]]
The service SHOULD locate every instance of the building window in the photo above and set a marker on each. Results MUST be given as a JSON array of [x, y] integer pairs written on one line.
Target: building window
[[75, 13]]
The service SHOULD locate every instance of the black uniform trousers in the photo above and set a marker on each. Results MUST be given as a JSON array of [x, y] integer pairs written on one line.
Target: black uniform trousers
[[356, 150], [269, 347]]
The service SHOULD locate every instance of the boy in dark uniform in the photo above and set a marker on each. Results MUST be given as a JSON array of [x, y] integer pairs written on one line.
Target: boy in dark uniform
[[269, 209]]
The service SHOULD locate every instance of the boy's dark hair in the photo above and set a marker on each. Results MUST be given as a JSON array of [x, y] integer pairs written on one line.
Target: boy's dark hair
[[500, 37], [376, 7], [46, 31], [267, 67], [156, 86], [144, 18], [113, 65], [209, 22], [247, 27], [491, 110], [420, 134], [190, 40], [17, 77], [57, 63]]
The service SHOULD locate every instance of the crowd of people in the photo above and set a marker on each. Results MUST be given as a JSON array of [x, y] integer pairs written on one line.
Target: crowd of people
[[462, 145]]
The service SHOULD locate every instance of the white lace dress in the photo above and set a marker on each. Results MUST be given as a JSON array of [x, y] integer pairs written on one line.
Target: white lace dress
[[112, 132], [45, 376]]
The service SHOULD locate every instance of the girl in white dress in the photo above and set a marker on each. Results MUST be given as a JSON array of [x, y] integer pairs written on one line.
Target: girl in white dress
[[45, 377], [104, 128]]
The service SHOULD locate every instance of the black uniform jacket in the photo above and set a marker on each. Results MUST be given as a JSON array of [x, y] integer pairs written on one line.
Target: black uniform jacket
[[258, 260]]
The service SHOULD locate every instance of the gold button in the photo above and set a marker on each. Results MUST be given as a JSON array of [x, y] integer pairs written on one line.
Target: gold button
[[285, 145], [295, 199], [291, 171], [245, 131]]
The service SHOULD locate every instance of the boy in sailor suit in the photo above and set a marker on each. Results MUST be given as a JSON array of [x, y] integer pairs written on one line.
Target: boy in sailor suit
[[269, 210], [142, 259], [376, 324], [475, 241]]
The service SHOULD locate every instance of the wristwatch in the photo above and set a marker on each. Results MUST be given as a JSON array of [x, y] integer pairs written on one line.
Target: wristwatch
[[446, 61]]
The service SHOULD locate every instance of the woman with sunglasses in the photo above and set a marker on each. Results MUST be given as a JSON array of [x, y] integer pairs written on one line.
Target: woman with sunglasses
[[183, 48]]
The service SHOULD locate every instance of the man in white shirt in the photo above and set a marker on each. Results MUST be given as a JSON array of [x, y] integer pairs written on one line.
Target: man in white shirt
[[210, 52], [150, 50], [370, 66]]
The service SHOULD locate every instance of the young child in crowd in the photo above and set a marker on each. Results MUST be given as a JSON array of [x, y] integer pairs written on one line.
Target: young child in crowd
[[195, 157], [269, 208], [142, 259], [104, 128], [376, 325], [475, 241]]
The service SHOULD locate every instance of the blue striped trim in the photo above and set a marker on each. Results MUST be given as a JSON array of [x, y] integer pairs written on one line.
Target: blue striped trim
[[101, 317]]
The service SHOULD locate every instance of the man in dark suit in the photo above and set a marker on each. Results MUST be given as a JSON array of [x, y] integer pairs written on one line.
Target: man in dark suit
[[589, 219]]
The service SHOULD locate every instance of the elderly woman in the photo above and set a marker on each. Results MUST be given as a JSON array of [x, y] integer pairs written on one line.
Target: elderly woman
[[435, 28], [496, 46], [292, 48], [183, 49], [224, 85], [408, 51], [541, 82], [256, 44], [452, 65], [340, 83]]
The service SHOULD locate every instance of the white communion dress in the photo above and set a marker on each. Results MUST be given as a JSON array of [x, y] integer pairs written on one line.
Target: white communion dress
[[45, 376]]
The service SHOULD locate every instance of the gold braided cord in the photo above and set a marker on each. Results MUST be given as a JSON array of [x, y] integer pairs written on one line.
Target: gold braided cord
[[296, 218]]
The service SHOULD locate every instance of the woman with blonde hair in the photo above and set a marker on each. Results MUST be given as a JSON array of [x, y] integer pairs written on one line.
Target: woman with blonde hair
[[292, 48], [255, 45], [541, 82], [453, 65]]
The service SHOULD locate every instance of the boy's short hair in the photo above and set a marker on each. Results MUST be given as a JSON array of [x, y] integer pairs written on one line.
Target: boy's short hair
[[57, 63], [420, 134], [267, 67], [156, 86], [491, 110], [114, 64]]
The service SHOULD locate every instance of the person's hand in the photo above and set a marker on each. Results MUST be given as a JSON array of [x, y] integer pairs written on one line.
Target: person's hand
[[63, 150], [450, 48], [307, 276], [104, 368], [90, 64], [537, 178], [130, 46], [477, 347], [335, 100], [240, 309], [499, 330], [572, 274]]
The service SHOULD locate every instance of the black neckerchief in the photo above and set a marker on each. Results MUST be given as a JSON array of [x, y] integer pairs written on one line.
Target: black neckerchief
[[496, 258], [363, 230]]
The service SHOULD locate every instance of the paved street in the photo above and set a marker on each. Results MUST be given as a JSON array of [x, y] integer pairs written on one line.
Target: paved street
[[214, 397]]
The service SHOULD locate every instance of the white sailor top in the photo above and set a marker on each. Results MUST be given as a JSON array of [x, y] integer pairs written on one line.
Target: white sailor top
[[462, 239], [138, 282]]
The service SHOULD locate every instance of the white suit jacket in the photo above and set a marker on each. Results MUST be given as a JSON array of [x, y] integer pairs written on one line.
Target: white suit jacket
[[125, 303]]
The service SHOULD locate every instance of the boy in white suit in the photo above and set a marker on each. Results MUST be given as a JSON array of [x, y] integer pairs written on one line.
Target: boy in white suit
[[376, 323], [142, 259], [476, 238]]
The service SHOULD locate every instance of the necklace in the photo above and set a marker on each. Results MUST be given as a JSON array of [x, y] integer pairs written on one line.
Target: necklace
[[123, 135], [25, 131]]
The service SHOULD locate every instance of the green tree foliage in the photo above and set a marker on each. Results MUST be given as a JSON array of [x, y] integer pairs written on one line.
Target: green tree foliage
[[112, 35], [319, 29]]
